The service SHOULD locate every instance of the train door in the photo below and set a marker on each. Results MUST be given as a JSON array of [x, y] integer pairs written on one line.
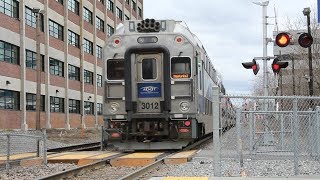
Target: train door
[[149, 83]]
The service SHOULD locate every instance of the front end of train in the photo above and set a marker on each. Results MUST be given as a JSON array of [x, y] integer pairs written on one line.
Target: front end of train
[[149, 73]]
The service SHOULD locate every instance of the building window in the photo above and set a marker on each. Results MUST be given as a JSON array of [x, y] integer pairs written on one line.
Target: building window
[[88, 46], [56, 104], [9, 53], [87, 15], [31, 19], [102, 1], [110, 30], [9, 99], [99, 108], [99, 52], [128, 2], [74, 72], [74, 106], [133, 5], [31, 60], [73, 39], [88, 77], [31, 102], [140, 12], [119, 13], [99, 24], [60, 1], [55, 30], [126, 17], [73, 5], [110, 6], [88, 107], [10, 8], [99, 80], [56, 67]]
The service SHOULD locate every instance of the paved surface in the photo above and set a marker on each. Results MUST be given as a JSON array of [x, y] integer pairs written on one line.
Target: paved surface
[[234, 178]]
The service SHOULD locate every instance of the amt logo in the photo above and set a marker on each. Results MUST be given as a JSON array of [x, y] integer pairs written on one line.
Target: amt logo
[[149, 89]]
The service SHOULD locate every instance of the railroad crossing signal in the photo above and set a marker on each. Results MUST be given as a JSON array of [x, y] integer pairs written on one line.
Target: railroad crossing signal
[[283, 39], [305, 40], [277, 65], [252, 65]]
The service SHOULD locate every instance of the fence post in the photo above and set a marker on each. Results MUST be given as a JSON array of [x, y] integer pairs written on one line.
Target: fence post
[[238, 121], [102, 138], [251, 132], [216, 129], [282, 131], [295, 135], [317, 134], [8, 153], [312, 117], [45, 146]]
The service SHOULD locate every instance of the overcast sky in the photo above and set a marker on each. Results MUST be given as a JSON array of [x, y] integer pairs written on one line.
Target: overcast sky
[[230, 30]]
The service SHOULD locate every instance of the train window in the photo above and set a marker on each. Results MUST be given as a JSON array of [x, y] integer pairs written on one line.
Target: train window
[[180, 67], [115, 69], [149, 68]]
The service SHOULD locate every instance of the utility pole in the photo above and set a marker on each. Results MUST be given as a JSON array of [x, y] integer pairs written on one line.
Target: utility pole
[[268, 137], [306, 12]]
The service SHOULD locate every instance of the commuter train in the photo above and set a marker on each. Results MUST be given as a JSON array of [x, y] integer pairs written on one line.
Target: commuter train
[[158, 86]]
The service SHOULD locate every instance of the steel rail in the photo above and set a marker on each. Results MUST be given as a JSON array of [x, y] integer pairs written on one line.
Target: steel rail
[[77, 170], [77, 147], [148, 168]]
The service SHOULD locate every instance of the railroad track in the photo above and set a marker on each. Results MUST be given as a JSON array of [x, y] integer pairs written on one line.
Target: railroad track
[[78, 147], [133, 175]]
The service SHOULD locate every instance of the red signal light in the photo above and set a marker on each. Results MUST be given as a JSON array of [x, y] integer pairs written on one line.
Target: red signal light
[[282, 39], [277, 65], [305, 40], [187, 123]]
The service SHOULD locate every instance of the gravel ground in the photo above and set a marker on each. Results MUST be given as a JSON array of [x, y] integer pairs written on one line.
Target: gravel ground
[[262, 165], [34, 172], [107, 173]]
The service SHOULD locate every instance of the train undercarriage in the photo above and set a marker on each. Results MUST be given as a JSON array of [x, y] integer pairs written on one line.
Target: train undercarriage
[[153, 134]]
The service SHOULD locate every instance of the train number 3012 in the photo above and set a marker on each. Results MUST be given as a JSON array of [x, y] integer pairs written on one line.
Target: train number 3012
[[153, 105]]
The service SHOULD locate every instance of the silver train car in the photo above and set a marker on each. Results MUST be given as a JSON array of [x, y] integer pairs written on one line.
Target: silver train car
[[158, 86]]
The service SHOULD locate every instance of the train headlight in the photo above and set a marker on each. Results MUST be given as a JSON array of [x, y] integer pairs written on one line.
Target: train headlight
[[184, 106], [114, 107]]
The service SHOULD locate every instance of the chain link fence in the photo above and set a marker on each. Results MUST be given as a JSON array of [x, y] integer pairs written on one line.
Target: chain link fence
[[272, 136], [18, 145]]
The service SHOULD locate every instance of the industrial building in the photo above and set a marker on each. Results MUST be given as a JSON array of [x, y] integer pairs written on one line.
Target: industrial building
[[73, 34]]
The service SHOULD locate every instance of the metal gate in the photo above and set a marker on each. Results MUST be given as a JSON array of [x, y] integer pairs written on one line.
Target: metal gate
[[270, 132]]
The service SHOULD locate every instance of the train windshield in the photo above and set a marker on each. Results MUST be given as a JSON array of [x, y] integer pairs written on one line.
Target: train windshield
[[180, 67], [149, 68], [115, 69]]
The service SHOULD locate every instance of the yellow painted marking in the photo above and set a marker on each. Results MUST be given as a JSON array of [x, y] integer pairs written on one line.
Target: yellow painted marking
[[185, 178], [142, 155]]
